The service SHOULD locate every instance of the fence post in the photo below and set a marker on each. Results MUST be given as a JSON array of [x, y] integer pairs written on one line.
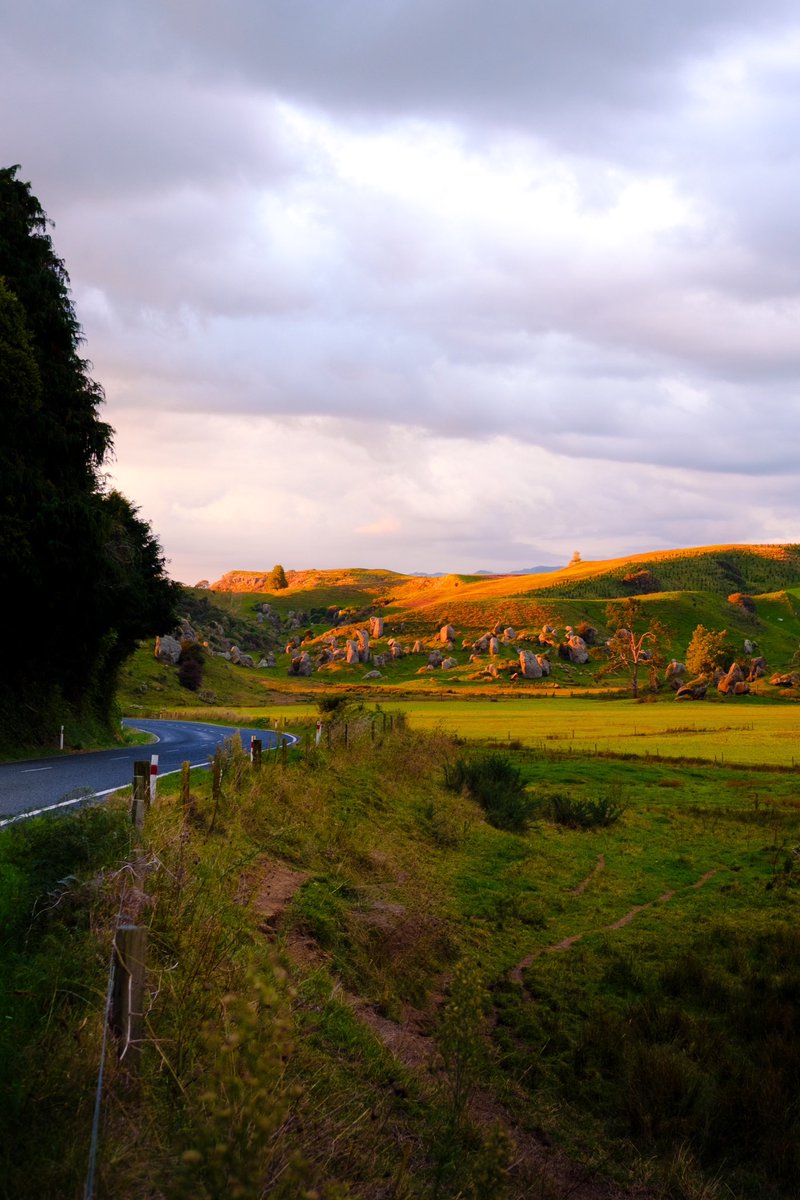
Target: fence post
[[186, 796], [141, 792], [283, 752], [216, 786], [127, 1003], [153, 778], [256, 746]]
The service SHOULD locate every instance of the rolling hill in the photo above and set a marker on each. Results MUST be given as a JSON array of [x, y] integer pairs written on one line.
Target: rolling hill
[[680, 588]]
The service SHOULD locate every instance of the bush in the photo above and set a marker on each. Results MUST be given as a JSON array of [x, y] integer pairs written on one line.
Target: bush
[[584, 814], [191, 665], [497, 785]]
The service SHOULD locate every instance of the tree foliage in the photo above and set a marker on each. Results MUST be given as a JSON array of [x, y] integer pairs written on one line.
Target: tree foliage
[[85, 577], [277, 579], [708, 649]]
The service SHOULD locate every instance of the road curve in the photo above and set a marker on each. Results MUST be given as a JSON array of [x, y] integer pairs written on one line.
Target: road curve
[[44, 784]]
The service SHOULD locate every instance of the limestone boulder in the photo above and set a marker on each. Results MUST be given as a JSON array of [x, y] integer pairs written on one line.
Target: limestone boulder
[[785, 680], [268, 660], [168, 650], [544, 663], [351, 651], [447, 634], [363, 645], [692, 691], [494, 646], [758, 669], [300, 665], [376, 627], [435, 658], [674, 673], [727, 684], [448, 664], [529, 665], [578, 652]]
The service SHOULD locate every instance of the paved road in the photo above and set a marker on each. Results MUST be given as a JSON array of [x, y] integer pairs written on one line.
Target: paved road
[[60, 782]]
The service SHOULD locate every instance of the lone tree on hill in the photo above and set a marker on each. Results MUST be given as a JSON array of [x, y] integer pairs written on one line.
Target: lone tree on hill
[[85, 577], [277, 579], [630, 645]]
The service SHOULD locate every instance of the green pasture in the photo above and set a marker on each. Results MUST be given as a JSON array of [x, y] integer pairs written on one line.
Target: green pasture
[[747, 732]]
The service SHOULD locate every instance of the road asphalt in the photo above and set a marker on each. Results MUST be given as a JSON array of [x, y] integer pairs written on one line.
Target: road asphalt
[[64, 782]]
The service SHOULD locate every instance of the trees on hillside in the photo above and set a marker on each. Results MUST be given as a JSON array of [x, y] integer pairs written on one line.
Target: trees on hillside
[[633, 643], [708, 648], [84, 576]]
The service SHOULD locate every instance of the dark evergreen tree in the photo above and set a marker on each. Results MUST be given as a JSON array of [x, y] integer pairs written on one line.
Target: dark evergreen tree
[[84, 577]]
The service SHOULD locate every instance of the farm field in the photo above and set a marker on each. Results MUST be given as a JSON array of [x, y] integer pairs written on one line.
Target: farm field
[[749, 732]]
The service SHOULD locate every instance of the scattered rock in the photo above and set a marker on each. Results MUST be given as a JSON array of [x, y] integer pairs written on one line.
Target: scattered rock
[[373, 675], [168, 650], [300, 665], [435, 658], [728, 682], [675, 672], [529, 665], [447, 634], [376, 627], [576, 648], [448, 664], [692, 691], [790, 680]]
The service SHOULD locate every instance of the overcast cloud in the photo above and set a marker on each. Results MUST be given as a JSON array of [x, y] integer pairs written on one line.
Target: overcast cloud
[[428, 284]]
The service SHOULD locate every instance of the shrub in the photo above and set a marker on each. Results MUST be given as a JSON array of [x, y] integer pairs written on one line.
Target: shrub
[[584, 814], [191, 665], [497, 785]]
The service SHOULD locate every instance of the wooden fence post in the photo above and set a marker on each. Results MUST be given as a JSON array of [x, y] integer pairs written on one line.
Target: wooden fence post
[[127, 1002], [256, 747], [186, 795], [283, 752], [216, 785], [141, 792]]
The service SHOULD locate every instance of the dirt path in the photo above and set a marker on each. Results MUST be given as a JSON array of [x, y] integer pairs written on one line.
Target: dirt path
[[538, 1169], [565, 944]]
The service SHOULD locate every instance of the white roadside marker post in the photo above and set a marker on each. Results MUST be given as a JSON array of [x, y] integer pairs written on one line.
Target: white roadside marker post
[[153, 777]]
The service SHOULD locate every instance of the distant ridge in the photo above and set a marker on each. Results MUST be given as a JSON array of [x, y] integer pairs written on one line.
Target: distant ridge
[[522, 571]]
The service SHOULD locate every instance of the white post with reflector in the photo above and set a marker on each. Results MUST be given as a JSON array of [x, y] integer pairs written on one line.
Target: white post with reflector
[[319, 733], [153, 777]]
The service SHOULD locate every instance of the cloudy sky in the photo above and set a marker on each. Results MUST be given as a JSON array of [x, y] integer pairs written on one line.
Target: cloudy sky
[[427, 284]]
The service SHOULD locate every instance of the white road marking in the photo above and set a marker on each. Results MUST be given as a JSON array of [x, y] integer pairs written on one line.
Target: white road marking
[[31, 770]]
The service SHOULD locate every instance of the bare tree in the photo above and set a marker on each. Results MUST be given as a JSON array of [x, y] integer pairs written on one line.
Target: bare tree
[[632, 646]]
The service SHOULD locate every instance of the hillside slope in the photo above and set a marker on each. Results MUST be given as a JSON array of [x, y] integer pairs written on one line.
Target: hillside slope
[[298, 637]]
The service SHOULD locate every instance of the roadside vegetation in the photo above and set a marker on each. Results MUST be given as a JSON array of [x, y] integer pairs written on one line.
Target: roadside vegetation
[[362, 984]]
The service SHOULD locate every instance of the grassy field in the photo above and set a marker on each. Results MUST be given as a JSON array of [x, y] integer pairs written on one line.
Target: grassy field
[[738, 731], [362, 987]]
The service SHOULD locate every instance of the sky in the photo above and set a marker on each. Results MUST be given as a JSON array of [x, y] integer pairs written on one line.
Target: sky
[[429, 285]]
